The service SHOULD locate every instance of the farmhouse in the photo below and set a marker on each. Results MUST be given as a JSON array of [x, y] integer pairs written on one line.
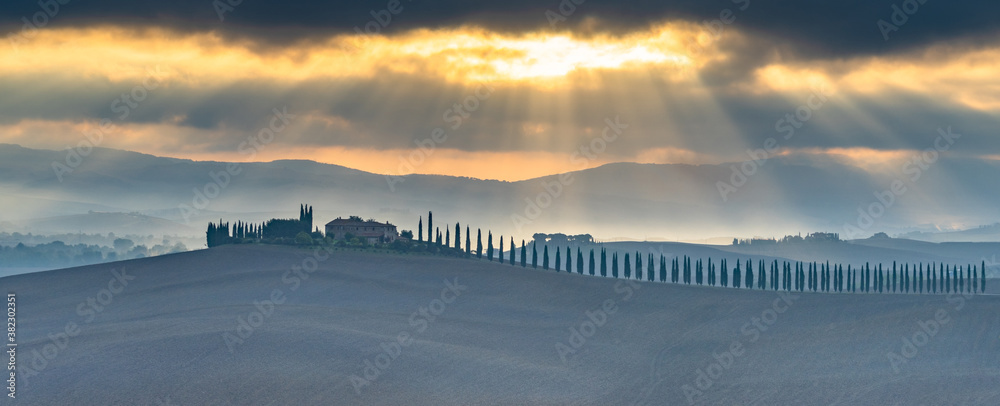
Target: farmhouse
[[370, 230]]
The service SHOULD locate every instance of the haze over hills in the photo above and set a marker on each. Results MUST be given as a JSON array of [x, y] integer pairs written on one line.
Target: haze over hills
[[676, 202], [106, 222]]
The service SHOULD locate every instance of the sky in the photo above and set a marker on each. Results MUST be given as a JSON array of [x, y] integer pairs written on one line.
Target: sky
[[502, 90]]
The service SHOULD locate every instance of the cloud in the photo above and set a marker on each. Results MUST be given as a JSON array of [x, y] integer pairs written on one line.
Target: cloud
[[822, 29], [687, 96]]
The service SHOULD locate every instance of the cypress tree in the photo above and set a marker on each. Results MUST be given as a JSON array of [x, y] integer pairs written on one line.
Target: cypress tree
[[420, 229], [579, 261], [628, 267], [837, 277], [512, 248], [593, 263], [826, 278], [458, 237], [906, 278], [569, 260], [947, 283], [614, 265], [711, 273], [982, 281], [975, 280], [489, 245], [724, 274], [524, 255], [558, 259], [545, 257], [960, 281], [534, 256], [638, 266], [819, 277], [881, 278], [479, 243], [866, 277], [941, 278], [736, 275], [921, 277], [956, 270], [749, 278], [850, 279], [650, 270], [893, 282], [800, 276], [675, 269], [468, 241], [815, 272], [430, 226], [513, 252], [663, 268], [447, 236], [501, 252], [932, 275], [698, 276]]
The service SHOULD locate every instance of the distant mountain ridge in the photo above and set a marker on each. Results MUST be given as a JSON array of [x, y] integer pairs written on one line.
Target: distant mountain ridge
[[665, 201]]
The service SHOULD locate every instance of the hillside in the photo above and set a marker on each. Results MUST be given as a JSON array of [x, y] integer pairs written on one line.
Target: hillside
[[495, 342]]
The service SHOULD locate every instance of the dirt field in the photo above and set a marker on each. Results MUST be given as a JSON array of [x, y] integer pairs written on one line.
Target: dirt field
[[242, 325]]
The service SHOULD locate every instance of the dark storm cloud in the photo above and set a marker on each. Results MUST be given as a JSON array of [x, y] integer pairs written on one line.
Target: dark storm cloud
[[817, 28]]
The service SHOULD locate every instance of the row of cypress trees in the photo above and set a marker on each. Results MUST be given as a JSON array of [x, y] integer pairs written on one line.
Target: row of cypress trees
[[792, 276], [789, 276]]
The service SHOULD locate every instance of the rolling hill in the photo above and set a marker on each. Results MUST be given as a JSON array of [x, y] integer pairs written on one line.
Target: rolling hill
[[206, 331]]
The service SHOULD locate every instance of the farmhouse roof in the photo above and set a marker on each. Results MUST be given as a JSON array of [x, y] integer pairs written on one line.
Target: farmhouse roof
[[348, 222]]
